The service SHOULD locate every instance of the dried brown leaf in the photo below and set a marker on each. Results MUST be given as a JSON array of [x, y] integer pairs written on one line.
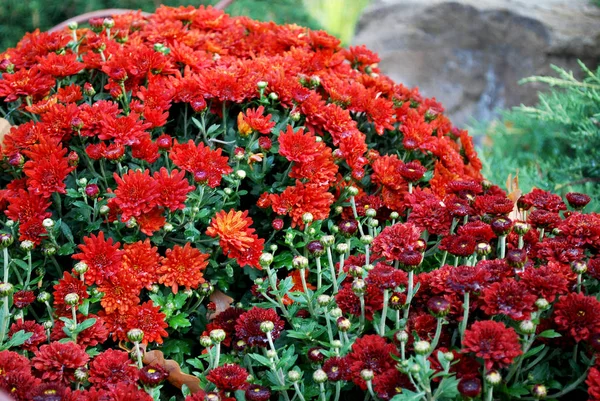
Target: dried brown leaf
[[176, 376]]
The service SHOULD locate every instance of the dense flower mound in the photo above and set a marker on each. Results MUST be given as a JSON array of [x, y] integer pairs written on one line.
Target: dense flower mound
[[206, 207]]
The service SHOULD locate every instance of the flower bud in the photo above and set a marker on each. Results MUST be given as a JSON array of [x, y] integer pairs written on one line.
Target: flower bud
[[261, 84], [6, 289], [366, 239], [80, 268], [48, 250], [315, 248], [343, 324], [527, 327], [336, 344], [26, 245], [373, 223], [266, 259], [135, 335], [205, 341], [521, 228], [414, 368], [241, 174], [104, 210], [81, 374], [449, 356], [348, 228], [501, 226], [342, 248], [88, 89], [542, 304], [438, 306], [271, 354], [273, 96], [371, 212], [516, 258], [483, 249], [323, 300], [16, 160], [48, 223], [359, 286], [299, 262], [469, 387], [307, 218], [6, 239], [401, 336], [579, 267], [206, 289], [71, 299], [422, 347], [73, 25], [319, 376], [108, 23], [267, 326], [394, 215], [494, 378], [294, 376], [336, 313], [352, 191], [217, 335], [355, 271], [327, 240], [397, 300], [92, 191], [277, 224], [539, 391], [43, 296], [366, 374], [131, 223], [154, 288]]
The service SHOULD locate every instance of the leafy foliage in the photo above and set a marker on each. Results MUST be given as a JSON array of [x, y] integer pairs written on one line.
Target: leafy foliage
[[553, 145]]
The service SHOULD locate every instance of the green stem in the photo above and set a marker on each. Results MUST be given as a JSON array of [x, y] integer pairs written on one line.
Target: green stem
[[332, 268], [409, 295], [29, 268], [306, 293], [319, 275], [438, 333], [502, 245], [5, 254], [384, 312], [463, 324]]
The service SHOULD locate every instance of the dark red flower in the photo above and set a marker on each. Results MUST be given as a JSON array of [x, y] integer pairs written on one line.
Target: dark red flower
[[226, 321], [229, 377], [254, 392], [464, 278], [68, 285], [541, 218], [578, 315], [492, 341], [22, 299], [336, 368], [29, 326], [349, 302], [112, 367], [593, 383], [547, 281], [391, 383], [509, 297], [577, 201], [386, 277], [396, 240], [480, 231], [458, 245], [248, 329], [412, 171], [19, 384], [544, 200], [370, 352], [58, 361], [153, 375]]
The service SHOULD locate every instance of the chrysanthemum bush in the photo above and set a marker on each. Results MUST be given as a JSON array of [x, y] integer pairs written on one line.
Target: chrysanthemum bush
[[205, 207]]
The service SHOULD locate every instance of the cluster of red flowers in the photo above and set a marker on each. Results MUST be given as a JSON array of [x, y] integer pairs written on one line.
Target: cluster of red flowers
[[150, 156]]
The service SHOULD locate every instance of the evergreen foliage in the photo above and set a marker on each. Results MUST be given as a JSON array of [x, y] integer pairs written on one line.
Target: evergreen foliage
[[553, 145]]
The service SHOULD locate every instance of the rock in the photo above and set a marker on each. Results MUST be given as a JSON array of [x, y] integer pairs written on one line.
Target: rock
[[469, 54]]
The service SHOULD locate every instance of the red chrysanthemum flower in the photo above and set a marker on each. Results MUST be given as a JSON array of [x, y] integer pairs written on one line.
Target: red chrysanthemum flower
[[593, 383], [121, 292], [60, 66], [412, 171], [386, 277], [19, 384], [68, 285], [150, 320], [102, 257], [544, 200], [541, 218], [151, 221], [547, 281], [142, 260], [391, 383], [510, 298], [229, 377], [10, 361], [370, 352], [298, 146], [90, 337], [431, 214], [577, 200], [349, 302], [478, 230], [112, 367], [207, 165], [303, 198], [559, 249], [116, 323], [247, 327], [458, 245], [495, 205], [395, 240], [22, 299], [58, 361], [123, 130], [226, 321], [336, 368], [125, 392], [47, 175], [582, 229], [173, 188], [25, 82], [386, 172], [137, 193], [493, 342], [236, 238], [497, 269], [253, 120], [464, 278], [182, 266], [578, 315], [29, 326]]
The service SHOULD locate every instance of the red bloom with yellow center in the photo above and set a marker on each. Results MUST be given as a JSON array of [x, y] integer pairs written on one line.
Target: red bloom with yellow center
[[25, 82], [303, 198], [578, 315], [182, 266], [236, 238], [229, 377]]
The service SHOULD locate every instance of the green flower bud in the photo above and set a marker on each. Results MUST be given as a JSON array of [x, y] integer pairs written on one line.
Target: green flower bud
[[71, 299], [319, 376], [217, 335], [267, 326], [135, 335]]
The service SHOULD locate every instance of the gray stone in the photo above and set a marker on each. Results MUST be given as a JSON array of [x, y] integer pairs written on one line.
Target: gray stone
[[469, 54]]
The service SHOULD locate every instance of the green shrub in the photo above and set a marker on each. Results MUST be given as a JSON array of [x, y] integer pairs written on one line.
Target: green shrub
[[554, 144]]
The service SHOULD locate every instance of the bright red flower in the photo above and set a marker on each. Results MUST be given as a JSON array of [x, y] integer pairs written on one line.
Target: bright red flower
[[229, 377], [150, 320], [182, 266], [510, 298], [495, 343], [121, 292], [68, 285], [173, 189], [142, 260], [248, 329], [22, 299], [300, 199], [298, 146], [593, 383], [90, 337], [370, 352], [112, 367], [235, 235], [60, 66], [207, 165], [578, 315], [47, 175], [137, 193], [386, 172], [58, 361], [253, 120], [26, 82], [396, 240], [151, 221], [103, 257]]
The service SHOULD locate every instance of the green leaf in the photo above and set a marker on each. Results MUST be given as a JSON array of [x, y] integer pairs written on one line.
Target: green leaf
[[408, 395], [261, 359], [16, 340], [534, 351], [86, 324], [67, 232], [179, 321], [549, 334]]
